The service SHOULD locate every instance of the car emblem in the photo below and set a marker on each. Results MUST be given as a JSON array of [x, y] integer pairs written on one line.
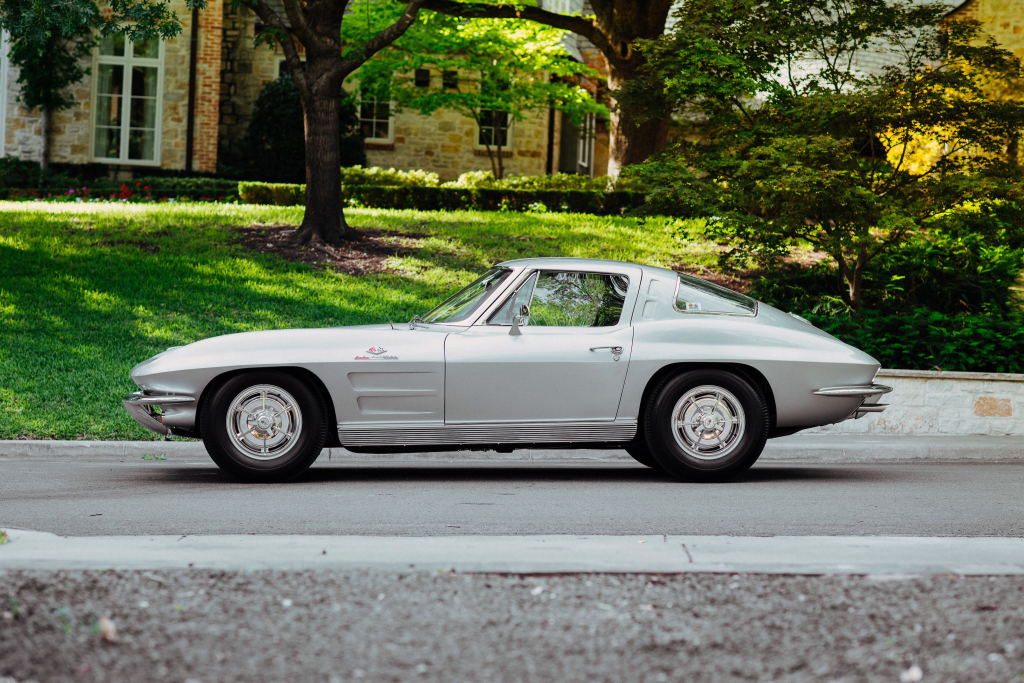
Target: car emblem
[[376, 353]]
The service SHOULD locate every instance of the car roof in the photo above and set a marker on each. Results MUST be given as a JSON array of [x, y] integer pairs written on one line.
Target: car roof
[[575, 263]]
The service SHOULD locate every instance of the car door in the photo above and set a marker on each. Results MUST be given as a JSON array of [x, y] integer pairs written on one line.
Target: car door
[[568, 362]]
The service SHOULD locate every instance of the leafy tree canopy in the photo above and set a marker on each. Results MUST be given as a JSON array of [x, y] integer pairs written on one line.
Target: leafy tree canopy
[[793, 140], [490, 65]]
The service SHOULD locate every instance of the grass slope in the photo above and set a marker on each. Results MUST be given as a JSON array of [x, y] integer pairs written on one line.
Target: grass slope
[[88, 291]]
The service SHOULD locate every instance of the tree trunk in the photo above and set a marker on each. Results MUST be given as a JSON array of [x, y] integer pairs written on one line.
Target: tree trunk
[[631, 141], [324, 218]]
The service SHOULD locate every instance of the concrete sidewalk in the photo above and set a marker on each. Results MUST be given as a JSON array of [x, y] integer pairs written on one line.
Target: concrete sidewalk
[[523, 554], [818, 448]]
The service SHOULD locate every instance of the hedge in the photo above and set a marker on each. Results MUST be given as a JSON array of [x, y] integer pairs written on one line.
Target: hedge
[[929, 340], [138, 189], [447, 199]]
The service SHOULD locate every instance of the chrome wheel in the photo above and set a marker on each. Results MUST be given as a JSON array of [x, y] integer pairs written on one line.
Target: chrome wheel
[[264, 422], [708, 422]]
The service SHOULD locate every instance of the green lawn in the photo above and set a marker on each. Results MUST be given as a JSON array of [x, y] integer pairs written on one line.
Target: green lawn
[[88, 290]]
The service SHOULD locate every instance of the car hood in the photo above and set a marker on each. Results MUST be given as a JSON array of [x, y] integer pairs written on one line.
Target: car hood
[[293, 347]]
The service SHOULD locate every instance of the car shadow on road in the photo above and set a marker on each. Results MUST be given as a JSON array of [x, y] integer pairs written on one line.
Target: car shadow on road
[[626, 474]]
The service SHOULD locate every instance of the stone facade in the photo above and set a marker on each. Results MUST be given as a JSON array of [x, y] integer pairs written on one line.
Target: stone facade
[[245, 69], [446, 143], [1000, 19], [71, 129], [926, 402]]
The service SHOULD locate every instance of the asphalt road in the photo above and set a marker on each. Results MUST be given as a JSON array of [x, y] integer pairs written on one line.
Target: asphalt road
[[81, 498]]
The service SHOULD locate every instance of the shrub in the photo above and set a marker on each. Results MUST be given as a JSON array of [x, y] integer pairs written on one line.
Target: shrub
[[357, 175], [278, 194], [138, 190], [559, 181], [967, 262], [275, 146], [450, 199], [929, 340]]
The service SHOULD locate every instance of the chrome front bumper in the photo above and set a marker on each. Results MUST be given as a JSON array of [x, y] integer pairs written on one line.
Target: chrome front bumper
[[161, 414], [869, 394]]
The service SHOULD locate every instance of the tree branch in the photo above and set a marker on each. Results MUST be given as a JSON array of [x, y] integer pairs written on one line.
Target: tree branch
[[577, 25], [291, 53], [379, 41]]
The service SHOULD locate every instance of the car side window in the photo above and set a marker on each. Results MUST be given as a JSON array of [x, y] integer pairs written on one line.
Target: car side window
[[699, 296], [577, 299], [514, 304]]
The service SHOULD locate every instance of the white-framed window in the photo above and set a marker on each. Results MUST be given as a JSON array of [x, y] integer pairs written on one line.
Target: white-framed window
[[376, 120], [127, 100], [4, 66], [585, 144], [559, 6], [494, 126]]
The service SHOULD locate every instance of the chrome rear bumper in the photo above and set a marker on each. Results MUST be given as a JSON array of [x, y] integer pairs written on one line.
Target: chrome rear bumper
[[869, 395], [863, 390], [143, 410]]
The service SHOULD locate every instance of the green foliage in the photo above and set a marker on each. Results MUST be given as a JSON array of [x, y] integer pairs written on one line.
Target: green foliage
[[274, 194], [533, 72], [48, 46], [792, 145], [968, 262], [60, 186], [929, 340], [556, 181], [275, 142], [451, 199], [356, 175], [17, 173]]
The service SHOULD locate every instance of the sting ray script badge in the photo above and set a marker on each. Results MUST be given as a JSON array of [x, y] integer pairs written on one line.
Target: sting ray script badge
[[376, 353]]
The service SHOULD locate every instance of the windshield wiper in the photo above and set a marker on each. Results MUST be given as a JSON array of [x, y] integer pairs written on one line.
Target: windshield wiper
[[415, 319]]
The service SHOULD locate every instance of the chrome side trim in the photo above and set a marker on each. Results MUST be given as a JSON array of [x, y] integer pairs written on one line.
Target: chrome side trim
[[139, 407], [872, 390], [141, 399], [491, 433]]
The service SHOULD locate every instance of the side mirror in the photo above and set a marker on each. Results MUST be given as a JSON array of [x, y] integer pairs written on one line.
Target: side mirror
[[517, 320]]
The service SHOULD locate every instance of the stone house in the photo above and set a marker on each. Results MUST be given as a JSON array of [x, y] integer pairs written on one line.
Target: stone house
[[185, 104]]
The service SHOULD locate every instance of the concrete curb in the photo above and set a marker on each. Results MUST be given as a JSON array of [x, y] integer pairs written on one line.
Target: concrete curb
[[818, 448], [523, 554]]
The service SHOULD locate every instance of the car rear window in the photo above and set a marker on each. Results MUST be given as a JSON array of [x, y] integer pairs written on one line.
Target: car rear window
[[700, 296]]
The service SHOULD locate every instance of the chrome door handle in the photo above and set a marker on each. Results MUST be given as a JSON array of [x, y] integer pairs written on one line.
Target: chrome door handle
[[617, 350]]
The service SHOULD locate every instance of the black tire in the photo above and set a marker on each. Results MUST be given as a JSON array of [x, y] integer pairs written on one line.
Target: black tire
[[643, 456], [728, 452], [298, 451]]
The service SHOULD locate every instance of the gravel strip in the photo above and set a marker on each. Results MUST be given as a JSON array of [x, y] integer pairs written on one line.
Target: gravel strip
[[381, 626]]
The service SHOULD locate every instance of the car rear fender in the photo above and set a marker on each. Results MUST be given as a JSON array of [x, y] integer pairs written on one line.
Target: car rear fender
[[752, 375]]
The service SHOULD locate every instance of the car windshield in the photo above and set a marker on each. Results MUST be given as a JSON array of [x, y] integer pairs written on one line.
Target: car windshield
[[464, 303]]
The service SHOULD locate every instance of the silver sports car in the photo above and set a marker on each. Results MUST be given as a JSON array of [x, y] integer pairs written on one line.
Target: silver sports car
[[686, 376]]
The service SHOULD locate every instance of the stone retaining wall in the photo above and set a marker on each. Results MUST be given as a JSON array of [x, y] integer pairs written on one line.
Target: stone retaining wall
[[928, 402]]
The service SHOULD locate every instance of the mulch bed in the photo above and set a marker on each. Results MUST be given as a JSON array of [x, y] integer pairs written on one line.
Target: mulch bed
[[366, 252]]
